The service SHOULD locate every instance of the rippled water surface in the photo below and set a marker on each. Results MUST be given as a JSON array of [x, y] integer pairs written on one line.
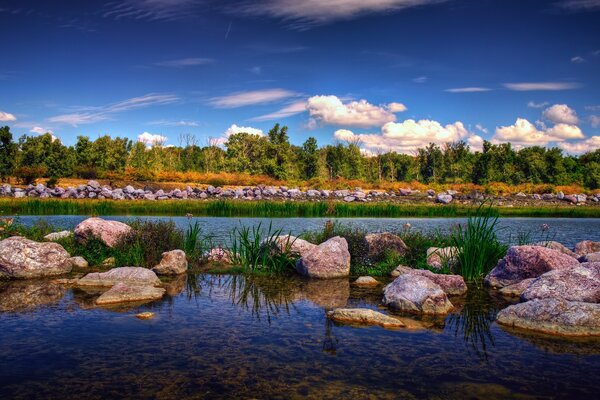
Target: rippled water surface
[[233, 337]]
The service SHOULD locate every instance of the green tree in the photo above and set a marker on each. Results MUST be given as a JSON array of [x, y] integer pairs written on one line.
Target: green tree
[[7, 153]]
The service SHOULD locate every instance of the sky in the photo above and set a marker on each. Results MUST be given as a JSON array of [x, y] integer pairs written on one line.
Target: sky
[[393, 75]]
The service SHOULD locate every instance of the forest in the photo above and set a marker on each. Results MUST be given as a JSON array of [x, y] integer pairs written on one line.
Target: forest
[[43, 156]]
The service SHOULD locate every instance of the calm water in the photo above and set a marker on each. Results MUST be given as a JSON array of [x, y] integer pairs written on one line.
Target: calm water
[[565, 230], [228, 337]]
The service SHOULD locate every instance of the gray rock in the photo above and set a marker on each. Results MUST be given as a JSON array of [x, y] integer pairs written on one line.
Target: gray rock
[[110, 232], [349, 199], [54, 236], [560, 195], [22, 258], [173, 262], [79, 262], [129, 275], [580, 283], [416, 294], [330, 259], [444, 198], [378, 243]]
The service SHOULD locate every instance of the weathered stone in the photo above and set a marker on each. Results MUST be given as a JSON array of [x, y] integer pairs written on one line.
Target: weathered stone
[[129, 275], [54, 236], [330, 259], [444, 198], [79, 262], [580, 283], [522, 262], [587, 247], [363, 316], [366, 281], [516, 289], [416, 294], [110, 232], [399, 270], [22, 258], [553, 316], [126, 292], [590, 257], [556, 246], [173, 262], [293, 245], [453, 285], [379, 243], [219, 255], [437, 257]]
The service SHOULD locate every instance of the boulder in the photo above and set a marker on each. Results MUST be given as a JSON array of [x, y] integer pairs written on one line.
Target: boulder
[[453, 285], [173, 262], [516, 289], [129, 275], [110, 232], [22, 258], [363, 316], [553, 316], [416, 294], [522, 262], [330, 259], [444, 198], [54, 236], [580, 283], [556, 246], [437, 257], [79, 262], [378, 243], [587, 247], [292, 244], [399, 270], [126, 292], [590, 257], [366, 281]]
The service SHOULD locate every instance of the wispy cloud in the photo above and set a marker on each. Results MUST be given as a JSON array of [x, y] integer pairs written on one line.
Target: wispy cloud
[[152, 10], [185, 62], [578, 60], [579, 5], [420, 79], [287, 111], [41, 131], [4, 116], [541, 86], [307, 13], [89, 115], [241, 99], [468, 90], [164, 122]]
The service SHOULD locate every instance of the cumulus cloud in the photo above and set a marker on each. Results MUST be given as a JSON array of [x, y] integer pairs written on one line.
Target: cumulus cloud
[[396, 107], [524, 133], [468, 90], [185, 62], [4, 116], [151, 139], [582, 146], [561, 113], [241, 99], [330, 110], [541, 86], [233, 129], [287, 111], [407, 136]]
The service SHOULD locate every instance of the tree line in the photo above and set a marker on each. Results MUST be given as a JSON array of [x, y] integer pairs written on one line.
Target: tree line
[[42, 156]]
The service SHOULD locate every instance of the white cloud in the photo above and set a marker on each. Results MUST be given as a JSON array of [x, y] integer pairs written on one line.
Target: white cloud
[[330, 110], [560, 132], [165, 122], [420, 79], [241, 99], [152, 10], [541, 86], [406, 137], [580, 5], [561, 113], [306, 13], [524, 133], [533, 104], [582, 146], [4, 116], [151, 139], [577, 60], [396, 107], [233, 129], [468, 90], [481, 128], [185, 62], [593, 108], [40, 131], [595, 121], [287, 111]]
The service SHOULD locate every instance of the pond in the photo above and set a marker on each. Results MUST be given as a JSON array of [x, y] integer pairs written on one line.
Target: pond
[[219, 336]]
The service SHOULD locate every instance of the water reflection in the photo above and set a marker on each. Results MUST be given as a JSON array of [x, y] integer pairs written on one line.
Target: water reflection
[[20, 296]]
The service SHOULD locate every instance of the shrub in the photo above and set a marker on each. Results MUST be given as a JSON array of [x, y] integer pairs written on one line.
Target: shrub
[[28, 175], [86, 172]]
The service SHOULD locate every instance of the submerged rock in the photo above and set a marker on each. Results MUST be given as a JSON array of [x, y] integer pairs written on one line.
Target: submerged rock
[[581, 283], [110, 232], [516, 289], [587, 247], [364, 316], [366, 281], [145, 315], [130, 275], [379, 243], [173, 262], [553, 316], [416, 294], [330, 259], [126, 292], [22, 258], [522, 262]]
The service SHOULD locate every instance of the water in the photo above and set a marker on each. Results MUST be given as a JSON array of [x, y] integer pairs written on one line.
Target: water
[[565, 230], [230, 337]]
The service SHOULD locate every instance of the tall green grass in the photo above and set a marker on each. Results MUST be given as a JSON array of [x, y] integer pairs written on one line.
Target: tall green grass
[[271, 208]]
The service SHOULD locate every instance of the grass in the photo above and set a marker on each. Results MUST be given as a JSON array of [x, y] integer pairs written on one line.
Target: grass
[[272, 208]]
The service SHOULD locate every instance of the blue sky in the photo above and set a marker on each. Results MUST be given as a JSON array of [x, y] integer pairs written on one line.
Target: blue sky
[[392, 74]]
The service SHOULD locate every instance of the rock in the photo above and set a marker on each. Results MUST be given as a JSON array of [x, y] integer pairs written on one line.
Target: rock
[[79, 262], [363, 316], [554, 317], [570, 198], [516, 289], [430, 192], [145, 315], [521, 195], [129, 275], [556, 246], [378, 243], [590, 257], [126, 292], [580, 283], [416, 294], [330, 259], [293, 245], [109, 262], [453, 285], [587, 247], [110, 232], [522, 262], [173, 262], [219, 255], [22, 258], [560, 195], [405, 192], [366, 281], [444, 198], [349, 199], [54, 236], [93, 184], [437, 257], [399, 270]]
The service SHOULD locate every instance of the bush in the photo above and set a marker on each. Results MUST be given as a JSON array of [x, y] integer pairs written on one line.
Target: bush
[[86, 172], [28, 175]]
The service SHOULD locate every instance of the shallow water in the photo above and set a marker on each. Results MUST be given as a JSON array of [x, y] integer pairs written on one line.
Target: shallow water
[[234, 337], [565, 230]]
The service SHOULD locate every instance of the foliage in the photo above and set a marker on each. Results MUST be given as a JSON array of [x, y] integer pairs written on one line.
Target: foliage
[[417, 243], [28, 175], [7, 153]]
